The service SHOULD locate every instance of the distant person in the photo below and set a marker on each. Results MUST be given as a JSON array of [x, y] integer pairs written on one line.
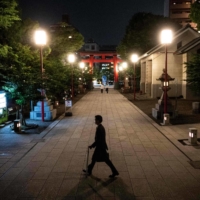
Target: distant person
[[100, 152], [102, 87], [107, 88]]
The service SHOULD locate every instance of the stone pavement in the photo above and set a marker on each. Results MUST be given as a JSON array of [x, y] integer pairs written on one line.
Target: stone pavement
[[152, 163]]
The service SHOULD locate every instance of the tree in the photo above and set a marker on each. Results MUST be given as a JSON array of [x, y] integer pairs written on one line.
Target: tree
[[18, 74], [195, 13], [64, 38], [20, 59], [142, 33], [8, 16], [8, 13], [193, 75], [17, 64]]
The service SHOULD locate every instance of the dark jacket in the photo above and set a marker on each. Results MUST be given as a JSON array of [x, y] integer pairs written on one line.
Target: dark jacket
[[100, 153]]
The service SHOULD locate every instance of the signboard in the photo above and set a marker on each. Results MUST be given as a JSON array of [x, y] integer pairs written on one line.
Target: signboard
[[68, 103], [2, 100]]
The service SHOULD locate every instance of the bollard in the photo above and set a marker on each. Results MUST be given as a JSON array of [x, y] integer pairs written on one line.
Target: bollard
[[17, 125], [195, 107], [56, 103], [165, 119], [192, 136]]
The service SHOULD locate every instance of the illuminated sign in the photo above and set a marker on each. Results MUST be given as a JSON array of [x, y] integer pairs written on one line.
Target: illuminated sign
[[105, 64], [2, 100]]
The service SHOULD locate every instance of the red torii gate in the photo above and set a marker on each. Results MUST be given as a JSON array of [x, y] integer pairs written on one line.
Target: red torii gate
[[101, 57]]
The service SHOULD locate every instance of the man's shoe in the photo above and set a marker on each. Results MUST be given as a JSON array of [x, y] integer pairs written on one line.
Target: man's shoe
[[114, 174], [88, 173]]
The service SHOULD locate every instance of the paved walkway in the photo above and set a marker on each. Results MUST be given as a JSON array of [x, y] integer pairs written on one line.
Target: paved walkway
[[152, 163]]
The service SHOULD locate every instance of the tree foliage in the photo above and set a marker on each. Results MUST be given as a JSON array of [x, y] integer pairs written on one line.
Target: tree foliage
[[193, 75], [20, 77], [142, 33], [195, 13], [8, 16], [20, 67], [8, 13], [64, 38]]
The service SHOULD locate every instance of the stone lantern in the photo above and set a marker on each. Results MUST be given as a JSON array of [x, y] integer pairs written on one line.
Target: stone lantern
[[164, 102], [165, 87]]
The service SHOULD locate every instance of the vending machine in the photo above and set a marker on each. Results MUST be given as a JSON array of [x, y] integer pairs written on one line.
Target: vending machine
[[3, 108]]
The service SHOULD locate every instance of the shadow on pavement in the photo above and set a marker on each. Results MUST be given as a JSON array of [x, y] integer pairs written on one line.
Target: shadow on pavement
[[102, 189]]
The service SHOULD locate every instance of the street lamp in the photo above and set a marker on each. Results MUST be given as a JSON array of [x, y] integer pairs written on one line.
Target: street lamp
[[134, 59], [166, 38], [124, 65], [120, 70], [71, 59], [41, 39], [82, 66]]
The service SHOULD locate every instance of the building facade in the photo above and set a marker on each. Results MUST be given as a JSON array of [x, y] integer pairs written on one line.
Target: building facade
[[186, 42], [179, 11]]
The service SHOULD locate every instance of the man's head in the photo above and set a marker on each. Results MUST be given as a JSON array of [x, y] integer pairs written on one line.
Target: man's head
[[98, 119]]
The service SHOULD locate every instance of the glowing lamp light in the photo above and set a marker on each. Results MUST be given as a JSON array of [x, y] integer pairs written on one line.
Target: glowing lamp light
[[71, 58], [124, 64], [134, 58], [191, 134], [81, 65], [166, 83], [120, 68], [166, 36], [18, 125], [40, 37]]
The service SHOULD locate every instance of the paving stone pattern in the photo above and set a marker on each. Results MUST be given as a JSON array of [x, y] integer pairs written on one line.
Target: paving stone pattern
[[152, 163]]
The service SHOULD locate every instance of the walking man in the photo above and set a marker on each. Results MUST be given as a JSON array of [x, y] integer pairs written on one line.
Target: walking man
[[100, 152]]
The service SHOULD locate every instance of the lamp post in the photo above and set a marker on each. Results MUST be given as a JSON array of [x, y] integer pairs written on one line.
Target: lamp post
[[41, 39], [134, 59], [120, 70], [82, 66], [71, 59], [124, 65], [166, 38]]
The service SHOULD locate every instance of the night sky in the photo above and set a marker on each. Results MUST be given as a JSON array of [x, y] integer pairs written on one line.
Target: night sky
[[102, 20]]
